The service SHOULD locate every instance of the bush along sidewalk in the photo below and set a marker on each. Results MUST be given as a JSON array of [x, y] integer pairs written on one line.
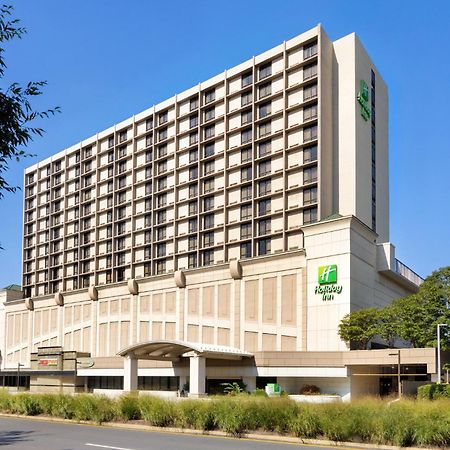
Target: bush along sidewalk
[[403, 423]]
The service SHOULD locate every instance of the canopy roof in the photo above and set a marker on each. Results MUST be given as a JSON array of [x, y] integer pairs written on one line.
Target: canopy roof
[[166, 350]]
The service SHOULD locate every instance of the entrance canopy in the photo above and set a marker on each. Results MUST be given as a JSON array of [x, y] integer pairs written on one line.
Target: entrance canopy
[[166, 350]]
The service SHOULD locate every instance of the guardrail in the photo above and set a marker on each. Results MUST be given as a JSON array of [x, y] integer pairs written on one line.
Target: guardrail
[[406, 272]]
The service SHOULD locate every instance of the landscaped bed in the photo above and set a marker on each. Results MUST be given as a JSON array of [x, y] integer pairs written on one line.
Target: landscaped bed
[[403, 423]]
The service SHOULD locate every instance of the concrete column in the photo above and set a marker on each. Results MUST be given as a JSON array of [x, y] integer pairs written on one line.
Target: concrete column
[[197, 374], [130, 374], [250, 382]]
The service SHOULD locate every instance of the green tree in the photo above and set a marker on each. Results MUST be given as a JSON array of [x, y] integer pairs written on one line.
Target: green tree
[[388, 325], [359, 327], [16, 112]]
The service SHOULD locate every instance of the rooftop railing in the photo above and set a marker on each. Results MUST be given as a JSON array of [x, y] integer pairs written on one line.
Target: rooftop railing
[[407, 273]]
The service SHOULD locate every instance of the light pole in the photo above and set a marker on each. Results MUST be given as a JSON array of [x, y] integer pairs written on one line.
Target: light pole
[[398, 372], [18, 375], [439, 349]]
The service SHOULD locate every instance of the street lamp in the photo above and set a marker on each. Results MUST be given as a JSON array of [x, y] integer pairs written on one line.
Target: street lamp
[[439, 349], [398, 372], [18, 374]]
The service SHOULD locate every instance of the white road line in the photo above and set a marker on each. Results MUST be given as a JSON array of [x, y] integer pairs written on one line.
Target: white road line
[[107, 446]]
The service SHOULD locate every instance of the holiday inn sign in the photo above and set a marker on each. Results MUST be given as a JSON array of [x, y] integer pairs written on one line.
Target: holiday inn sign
[[327, 278]]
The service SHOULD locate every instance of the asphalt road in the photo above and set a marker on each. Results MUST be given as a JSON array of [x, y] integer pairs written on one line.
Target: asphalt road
[[24, 434]]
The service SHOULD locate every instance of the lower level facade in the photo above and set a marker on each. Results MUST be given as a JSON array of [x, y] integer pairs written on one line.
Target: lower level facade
[[270, 319]]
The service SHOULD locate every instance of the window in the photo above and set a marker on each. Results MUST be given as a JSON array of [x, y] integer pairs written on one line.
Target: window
[[246, 174], [162, 134], [121, 228], [246, 154], [122, 167], [310, 196], [193, 191], [208, 203], [208, 185], [246, 193], [309, 113], [246, 117], [265, 110], [161, 200], [160, 267], [310, 175], [193, 138], [149, 124], [162, 183], [309, 133], [264, 168], [163, 117], [192, 243], [148, 156], [309, 72], [148, 140], [264, 129], [264, 246], [246, 98], [120, 243], [264, 187], [263, 207], [110, 157], [208, 168], [209, 150], [247, 79], [210, 113], [208, 257], [122, 136], [264, 148], [210, 131], [162, 167], [208, 221], [309, 92], [246, 250], [193, 155], [192, 225], [111, 141], [122, 182], [120, 274], [162, 151], [246, 231], [246, 136], [147, 253], [121, 212], [161, 250], [265, 90], [310, 215], [208, 239], [148, 172], [193, 173], [264, 227], [161, 233], [192, 260], [147, 270], [147, 237], [121, 197], [193, 121], [265, 70], [210, 96], [193, 104], [309, 154], [148, 220], [309, 50], [192, 208], [57, 166], [111, 171], [161, 216]]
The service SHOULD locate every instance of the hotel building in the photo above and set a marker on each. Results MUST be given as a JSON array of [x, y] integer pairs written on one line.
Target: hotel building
[[221, 234]]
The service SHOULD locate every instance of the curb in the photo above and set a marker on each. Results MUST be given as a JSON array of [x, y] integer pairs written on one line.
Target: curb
[[273, 438]]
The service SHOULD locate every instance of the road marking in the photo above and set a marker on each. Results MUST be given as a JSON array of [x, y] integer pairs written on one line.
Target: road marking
[[107, 446]]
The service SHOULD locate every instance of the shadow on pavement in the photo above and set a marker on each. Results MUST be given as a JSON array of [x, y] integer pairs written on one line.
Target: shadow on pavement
[[11, 437]]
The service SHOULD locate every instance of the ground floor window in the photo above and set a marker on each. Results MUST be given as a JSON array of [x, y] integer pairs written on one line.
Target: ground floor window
[[105, 383], [11, 381], [158, 383]]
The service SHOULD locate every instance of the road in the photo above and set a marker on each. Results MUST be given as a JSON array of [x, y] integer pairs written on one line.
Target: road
[[26, 434]]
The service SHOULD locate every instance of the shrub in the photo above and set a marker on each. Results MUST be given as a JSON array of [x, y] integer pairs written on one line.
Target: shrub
[[97, 408], [156, 411], [259, 393], [195, 414], [305, 423], [5, 401], [231, 415], [310, 389], [63, 406], [128, 407], [25, 404]]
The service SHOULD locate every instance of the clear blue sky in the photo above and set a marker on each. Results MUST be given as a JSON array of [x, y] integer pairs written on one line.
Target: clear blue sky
[[105, 60]]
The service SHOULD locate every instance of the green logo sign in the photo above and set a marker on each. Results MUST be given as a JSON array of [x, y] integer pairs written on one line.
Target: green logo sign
[[327, 274], [327, 282], [363, 99]]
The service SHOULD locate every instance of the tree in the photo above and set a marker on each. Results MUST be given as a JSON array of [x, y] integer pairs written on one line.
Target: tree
[[388, 324], [16, 111], [359, 327]]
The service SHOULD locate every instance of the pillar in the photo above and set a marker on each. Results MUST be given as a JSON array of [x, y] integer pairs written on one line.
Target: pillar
[[250, 382], [130, 373], [197, 374]]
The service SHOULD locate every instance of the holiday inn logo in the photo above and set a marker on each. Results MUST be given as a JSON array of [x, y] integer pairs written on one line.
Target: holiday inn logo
[[327, 282], [327, 274]]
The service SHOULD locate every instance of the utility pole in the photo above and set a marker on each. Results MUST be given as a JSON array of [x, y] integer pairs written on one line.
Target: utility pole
[[399, 373]]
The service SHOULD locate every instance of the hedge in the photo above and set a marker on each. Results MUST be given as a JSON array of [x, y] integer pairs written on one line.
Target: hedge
[[433, 391], [403, 423]]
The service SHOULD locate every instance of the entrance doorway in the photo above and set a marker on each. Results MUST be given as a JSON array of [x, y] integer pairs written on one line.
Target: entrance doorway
[[387, 386]]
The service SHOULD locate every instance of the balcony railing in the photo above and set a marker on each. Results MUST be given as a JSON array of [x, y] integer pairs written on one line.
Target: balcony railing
[[407, 273]]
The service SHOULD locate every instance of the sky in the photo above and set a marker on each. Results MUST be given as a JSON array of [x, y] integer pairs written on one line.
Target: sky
[[105, 60]]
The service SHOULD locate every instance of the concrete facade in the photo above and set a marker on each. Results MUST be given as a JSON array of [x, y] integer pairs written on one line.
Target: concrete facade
[[206, 220]]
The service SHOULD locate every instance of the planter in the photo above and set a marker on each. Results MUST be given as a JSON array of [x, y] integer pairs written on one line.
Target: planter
[[316, 398]]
